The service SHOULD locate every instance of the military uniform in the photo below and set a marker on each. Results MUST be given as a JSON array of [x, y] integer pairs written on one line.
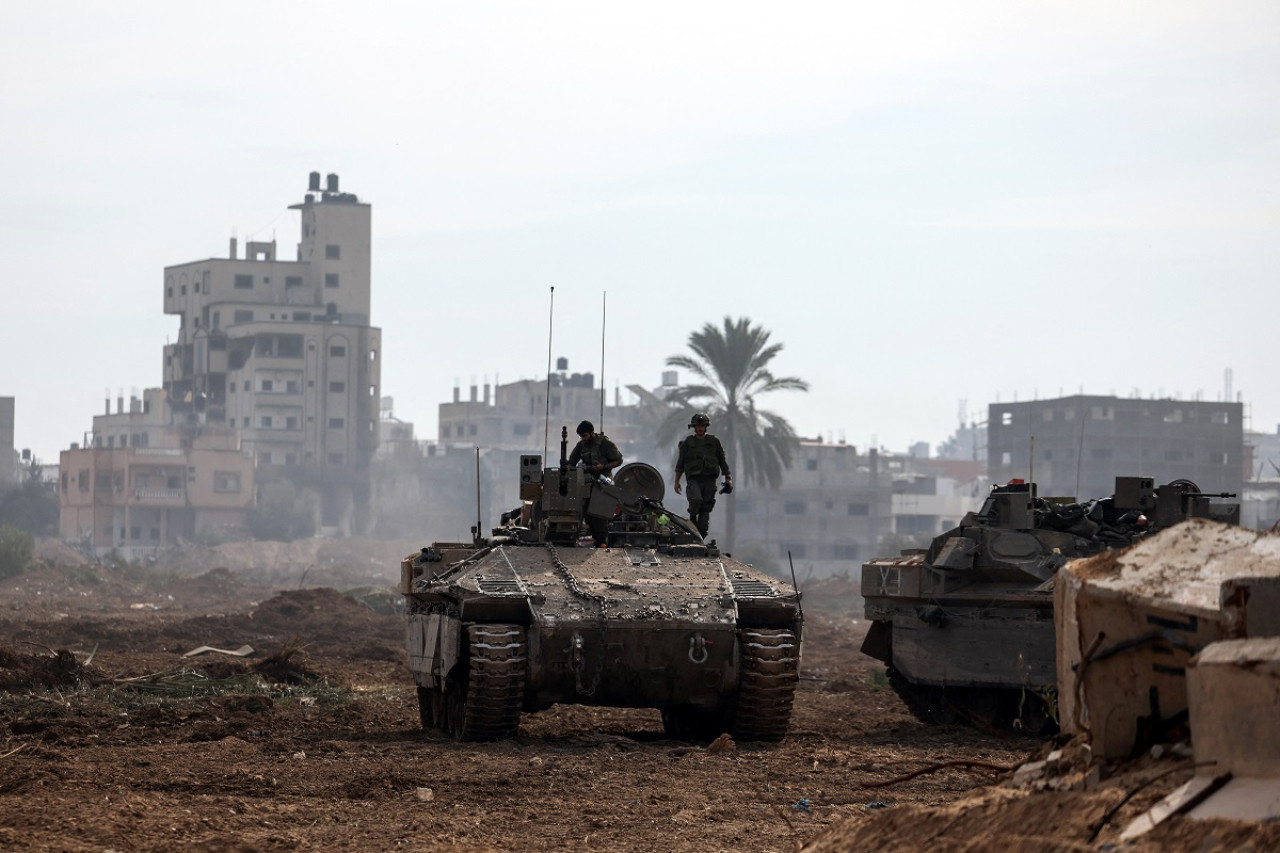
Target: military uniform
[[700, 460], [599, 456], [600, 451]]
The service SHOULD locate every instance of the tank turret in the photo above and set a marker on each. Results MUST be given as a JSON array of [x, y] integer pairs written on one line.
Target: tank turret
[[533, 615]]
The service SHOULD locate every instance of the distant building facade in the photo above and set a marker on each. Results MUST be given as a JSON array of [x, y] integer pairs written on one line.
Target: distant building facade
[[142, 484], [1077, 446], [282, 352], [9, 464], [836, 508]]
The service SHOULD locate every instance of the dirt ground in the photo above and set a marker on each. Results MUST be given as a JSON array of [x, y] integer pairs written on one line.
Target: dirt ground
[[112, 740]]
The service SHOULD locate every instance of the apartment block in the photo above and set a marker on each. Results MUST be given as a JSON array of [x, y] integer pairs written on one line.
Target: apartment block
[[281, 351], [1077, 446], [142, 484]]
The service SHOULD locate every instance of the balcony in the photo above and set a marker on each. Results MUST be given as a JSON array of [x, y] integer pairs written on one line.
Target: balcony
[[154, 494]]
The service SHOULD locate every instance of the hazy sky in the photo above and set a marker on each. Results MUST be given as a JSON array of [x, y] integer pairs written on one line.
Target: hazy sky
[[925, 202]]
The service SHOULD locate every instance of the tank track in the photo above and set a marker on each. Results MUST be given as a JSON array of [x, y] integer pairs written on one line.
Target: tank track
[[767, 684], [483, 702]]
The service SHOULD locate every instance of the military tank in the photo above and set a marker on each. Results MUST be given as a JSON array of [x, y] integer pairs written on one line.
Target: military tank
[[532, 615], [966, 627]]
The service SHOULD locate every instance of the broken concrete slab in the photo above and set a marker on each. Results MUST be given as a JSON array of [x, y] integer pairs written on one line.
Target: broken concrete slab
[[1129, 622], [1233, 688]]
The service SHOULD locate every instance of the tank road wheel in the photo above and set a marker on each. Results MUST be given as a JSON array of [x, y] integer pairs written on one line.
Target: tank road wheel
[[690, 722], [927, 703], [766, 684], [989, 708]]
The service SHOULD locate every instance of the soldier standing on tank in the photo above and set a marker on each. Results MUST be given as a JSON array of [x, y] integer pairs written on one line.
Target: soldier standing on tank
[[701, 457], [599, 456]]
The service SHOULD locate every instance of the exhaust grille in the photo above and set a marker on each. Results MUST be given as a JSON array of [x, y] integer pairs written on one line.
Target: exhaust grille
[[752, 589], [497, 586]]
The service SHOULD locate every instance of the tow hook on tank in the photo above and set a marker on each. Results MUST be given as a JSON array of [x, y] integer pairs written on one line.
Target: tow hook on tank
[[698, 648], [575, 652], [577, 662]]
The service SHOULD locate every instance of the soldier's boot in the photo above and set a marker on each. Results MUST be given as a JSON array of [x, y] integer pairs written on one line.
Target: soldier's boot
[[703, 522]]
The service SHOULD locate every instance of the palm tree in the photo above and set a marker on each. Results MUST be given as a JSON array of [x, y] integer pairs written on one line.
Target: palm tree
[[731, 370]]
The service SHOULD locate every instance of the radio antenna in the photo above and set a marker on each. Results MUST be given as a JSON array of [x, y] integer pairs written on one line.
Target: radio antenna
[[604, 313], [546, 423]]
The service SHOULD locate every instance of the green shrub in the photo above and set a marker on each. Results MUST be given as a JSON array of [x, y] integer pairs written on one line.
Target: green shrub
[[16, 550]]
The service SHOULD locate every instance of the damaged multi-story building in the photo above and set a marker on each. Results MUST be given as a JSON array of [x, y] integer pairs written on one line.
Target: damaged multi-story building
[[282, 350], [276, 356]]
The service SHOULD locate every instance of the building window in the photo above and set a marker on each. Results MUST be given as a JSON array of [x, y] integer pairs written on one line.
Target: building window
[[291, 422], [856, 508], [792, 550], [293, 281], [1006, 418], [291, 459], [243, 316], [267, 385], [331, 279], [1100, 453], [845, 552], [336, 423], [337, 350], [301, 316], [332, 252], [335, 458], [155, 533], [264, 458], [227, 482], [135, 532], [244, 282], [793, 507], [291, 386], [337, 387], [1219, 417], [471, 429], [265, 421], [523, 430]]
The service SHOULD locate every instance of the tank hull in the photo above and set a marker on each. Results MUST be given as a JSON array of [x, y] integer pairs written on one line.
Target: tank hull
[[711, 642]]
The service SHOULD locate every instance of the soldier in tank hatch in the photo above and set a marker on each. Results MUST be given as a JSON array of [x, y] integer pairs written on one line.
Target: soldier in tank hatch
[[598, 456], [597, 453], [700, 458]]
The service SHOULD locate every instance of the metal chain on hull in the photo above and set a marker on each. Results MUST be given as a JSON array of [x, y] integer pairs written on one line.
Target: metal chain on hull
[[576, 654]]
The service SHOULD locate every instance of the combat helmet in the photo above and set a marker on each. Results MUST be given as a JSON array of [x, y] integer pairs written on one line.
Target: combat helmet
[[700, 419]]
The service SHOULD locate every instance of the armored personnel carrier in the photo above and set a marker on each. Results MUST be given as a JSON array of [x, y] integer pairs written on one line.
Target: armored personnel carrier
[[533, 615], [966, 627]]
